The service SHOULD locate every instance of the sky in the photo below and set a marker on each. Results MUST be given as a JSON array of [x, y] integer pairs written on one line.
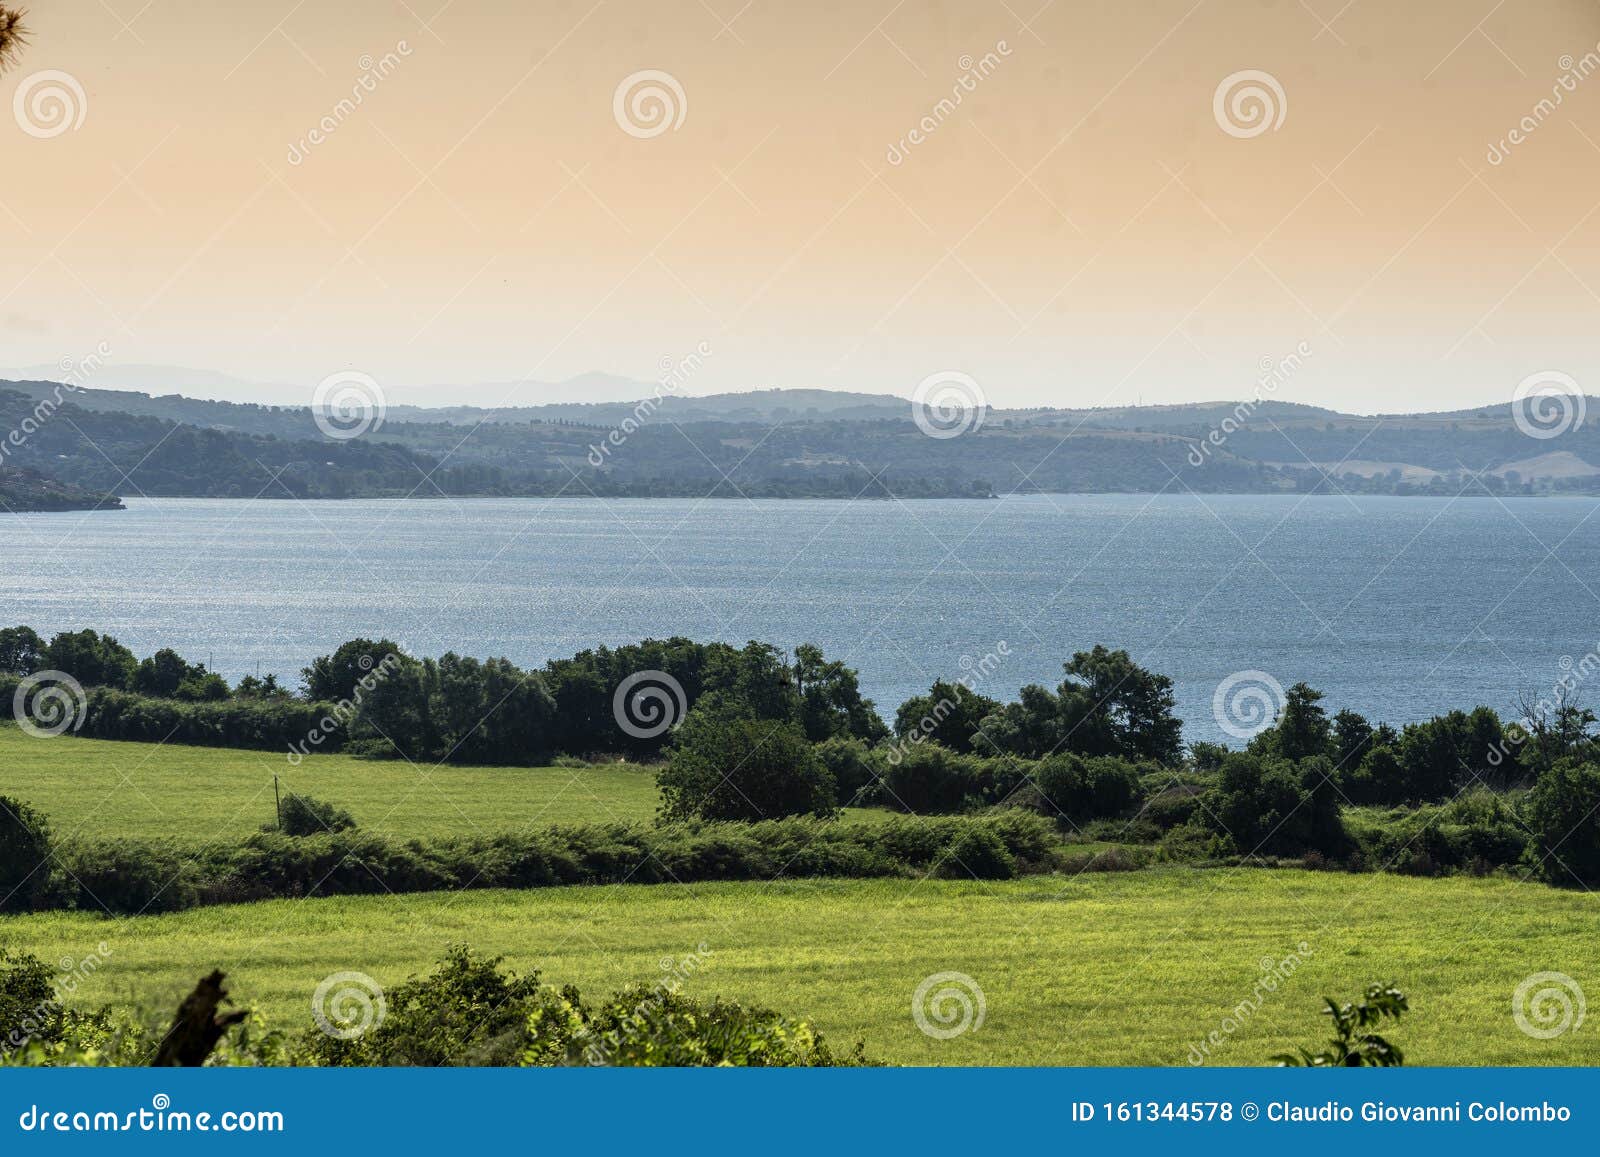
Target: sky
[[1093, 222]]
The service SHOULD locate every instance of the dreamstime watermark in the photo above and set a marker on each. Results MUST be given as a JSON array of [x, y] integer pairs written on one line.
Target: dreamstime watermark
[[49, 103], [347, 404], [1573, 73], [48, 703], [674, 375], [1548, 1004], [649, 703], [1274, 972], [373, 72], [973, 673], [1574, 674], [602, 1048], [1547, 404], [948, 404], [1248, 103], [948, 1004], [63, 986], [648, 103], [1246, 703], [348, 1004], [346, 710], [75, 372], [1273, 375], [973, 72]]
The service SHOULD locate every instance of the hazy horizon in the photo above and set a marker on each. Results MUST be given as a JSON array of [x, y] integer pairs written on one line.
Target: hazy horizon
[[1061, 203]]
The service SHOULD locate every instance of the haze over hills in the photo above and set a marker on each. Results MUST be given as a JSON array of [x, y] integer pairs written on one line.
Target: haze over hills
[[778, 443]]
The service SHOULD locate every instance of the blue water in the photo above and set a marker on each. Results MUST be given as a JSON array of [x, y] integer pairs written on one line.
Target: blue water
[[1397, 607]]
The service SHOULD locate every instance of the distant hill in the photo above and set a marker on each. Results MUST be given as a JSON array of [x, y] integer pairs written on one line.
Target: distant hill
[[27, 490], [780, 443]]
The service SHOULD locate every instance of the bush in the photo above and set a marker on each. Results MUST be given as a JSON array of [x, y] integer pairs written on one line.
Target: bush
[[978, 853], [651, 1027], [130, 877], [1267, 806], [1564, 813], [928, 779], [25, 868], [29, 1007], [1076, 790], [730, 767], [301, 815]]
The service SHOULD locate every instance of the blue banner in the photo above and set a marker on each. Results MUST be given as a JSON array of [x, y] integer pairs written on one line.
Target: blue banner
[[799, 1111]]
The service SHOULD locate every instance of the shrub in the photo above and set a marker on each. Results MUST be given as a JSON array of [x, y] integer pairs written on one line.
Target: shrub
[[1564, 813], [978, 853], [29, 1007], [1270, 807], [1076, 790], [130, 877], [25, 869], [928, 779], [730, 767], [301, 815], [1354, 1043]]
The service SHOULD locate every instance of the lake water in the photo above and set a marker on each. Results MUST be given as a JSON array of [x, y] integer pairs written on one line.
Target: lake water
[[1398, 607]]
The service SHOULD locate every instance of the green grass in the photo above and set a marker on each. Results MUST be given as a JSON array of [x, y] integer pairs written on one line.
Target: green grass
[[93, 788], [1100, 969]]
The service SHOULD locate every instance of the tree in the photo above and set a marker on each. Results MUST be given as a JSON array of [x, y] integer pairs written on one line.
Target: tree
[[830, 699], [950, 714], [20, 650], [92, 659], [333, 678], [1107, 705], [1302, 729], [24, 855], [1077, 790], [736, 767], [164, 672]]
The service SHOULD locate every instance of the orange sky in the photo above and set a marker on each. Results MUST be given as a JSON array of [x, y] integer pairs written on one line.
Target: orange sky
[[1080, 230]]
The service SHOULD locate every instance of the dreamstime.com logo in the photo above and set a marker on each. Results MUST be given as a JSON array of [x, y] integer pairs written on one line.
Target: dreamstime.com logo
[[648, 103], [948, 404], [49, 103], [48, 703], [948, 1004], [649, 703], [347, 404], [347, 1004], [1547, 404], [1248, 103], [1548, 1004], [1246, 703]]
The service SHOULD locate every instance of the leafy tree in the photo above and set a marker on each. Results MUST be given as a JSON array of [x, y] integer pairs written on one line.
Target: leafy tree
[[266, 687], [1564, 812], [25, 848], [20, 650], [1302, 729], [950, 714], [333, 678], [830, 699], [92, 659], [853, 767], [1351, 736], [930, 779], [1107, 705], [1380, 778], [1354, 1043], [732, 767], [491, 712], [161, 673], [30, 1010], [1444, 752]]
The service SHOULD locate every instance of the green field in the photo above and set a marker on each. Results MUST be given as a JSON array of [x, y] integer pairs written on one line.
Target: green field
[[93, 788], [1122, 969]]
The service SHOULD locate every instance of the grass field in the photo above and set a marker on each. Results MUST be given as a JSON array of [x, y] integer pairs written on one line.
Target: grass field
[[95, 788], [92, 787], [1099, 969]]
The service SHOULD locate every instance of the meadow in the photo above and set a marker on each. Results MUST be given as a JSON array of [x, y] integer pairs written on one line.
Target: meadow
[[1128, 968]]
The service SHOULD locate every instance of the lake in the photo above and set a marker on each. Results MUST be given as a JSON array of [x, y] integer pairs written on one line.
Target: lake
[[1397, 607]]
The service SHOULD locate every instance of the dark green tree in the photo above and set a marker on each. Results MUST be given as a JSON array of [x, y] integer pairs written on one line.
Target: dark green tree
[[738, 767]]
